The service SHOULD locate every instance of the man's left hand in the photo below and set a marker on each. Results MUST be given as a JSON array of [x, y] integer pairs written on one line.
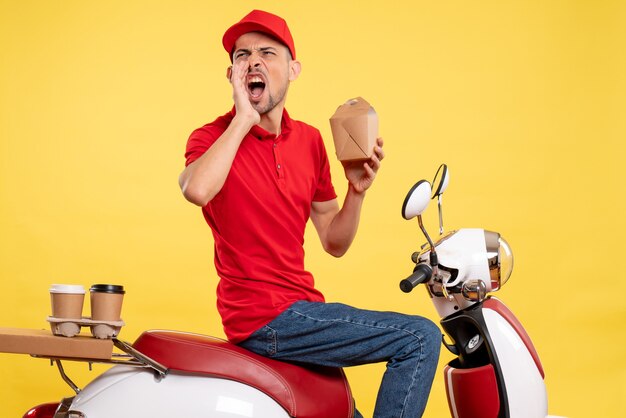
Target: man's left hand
[[361, 174]]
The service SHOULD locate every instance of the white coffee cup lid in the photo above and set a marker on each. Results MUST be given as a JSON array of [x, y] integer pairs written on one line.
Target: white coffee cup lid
[[67, 288]]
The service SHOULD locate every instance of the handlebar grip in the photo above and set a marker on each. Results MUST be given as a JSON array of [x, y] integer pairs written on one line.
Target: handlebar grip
[[421, 273]]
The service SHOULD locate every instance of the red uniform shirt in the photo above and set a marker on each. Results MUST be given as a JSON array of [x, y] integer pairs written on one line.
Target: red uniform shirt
[[258, 220]]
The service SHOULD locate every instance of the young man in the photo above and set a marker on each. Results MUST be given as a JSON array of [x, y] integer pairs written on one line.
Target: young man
[[259, 176]]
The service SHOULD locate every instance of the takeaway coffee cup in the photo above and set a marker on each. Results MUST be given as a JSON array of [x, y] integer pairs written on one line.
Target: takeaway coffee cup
[[67, 300], [106, 302]]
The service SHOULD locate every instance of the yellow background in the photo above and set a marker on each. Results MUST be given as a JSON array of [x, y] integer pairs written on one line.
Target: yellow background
[[524, 100]]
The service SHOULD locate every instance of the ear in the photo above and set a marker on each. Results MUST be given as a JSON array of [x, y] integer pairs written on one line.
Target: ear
[[229, 72], [294, 69]]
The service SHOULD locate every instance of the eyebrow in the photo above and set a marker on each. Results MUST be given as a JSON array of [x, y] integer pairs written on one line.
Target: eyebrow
[[262, 49]]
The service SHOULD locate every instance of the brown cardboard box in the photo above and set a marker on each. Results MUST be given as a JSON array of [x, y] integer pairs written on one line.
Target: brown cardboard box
[[355, 129], [44, 343]]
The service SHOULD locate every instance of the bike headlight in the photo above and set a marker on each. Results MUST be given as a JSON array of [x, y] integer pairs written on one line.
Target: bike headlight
[[500, 259]]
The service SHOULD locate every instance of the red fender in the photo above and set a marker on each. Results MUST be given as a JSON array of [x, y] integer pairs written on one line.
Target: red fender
[[46, 410], [472, 393]]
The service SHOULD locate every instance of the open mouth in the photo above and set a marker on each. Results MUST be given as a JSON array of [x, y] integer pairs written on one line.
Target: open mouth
[[256, 86]]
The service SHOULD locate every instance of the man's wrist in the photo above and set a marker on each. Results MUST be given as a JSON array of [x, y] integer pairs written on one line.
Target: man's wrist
[[245, 120], [242, 123], [353, 191]]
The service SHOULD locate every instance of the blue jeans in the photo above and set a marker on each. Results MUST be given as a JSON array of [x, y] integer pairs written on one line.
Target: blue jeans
[[337, 335]]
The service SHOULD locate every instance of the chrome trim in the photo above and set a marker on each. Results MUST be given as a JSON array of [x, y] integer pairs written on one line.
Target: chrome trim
[[65, 377], [142, 359], [430, 241], [492, 243], [440, 210], [63, 408], [474, 290]]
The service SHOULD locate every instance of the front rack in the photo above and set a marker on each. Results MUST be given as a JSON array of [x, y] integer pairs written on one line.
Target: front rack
[[129, 357]]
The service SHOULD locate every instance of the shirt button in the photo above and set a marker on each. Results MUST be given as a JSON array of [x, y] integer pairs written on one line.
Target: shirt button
[[278, 166]]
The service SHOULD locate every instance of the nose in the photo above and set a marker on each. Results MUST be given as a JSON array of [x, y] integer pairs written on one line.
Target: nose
[[254, 60]]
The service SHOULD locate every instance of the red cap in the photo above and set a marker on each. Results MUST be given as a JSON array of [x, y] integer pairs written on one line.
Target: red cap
[[259, 21]]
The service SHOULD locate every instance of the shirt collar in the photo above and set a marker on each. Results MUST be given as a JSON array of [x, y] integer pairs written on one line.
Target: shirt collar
[[260, 133]]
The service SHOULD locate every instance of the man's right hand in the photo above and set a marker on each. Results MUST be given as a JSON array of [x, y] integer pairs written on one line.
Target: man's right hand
[[243, 107]]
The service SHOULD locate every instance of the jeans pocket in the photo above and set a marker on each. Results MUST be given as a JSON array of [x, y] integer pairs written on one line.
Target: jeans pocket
[[263, 342], [268, 339]]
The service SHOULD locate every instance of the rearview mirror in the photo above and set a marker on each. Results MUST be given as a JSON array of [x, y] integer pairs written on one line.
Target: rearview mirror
[[440, 184], [416, 201], [441, 180]]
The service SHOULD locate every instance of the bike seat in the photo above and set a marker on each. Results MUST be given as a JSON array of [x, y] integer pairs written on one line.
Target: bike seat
[[304, 392]]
